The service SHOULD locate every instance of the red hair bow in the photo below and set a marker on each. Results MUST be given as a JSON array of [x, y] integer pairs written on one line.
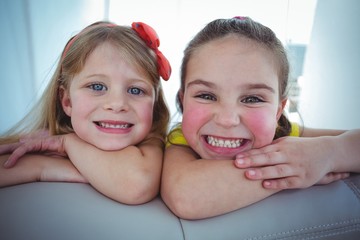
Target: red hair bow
[[151, 39]]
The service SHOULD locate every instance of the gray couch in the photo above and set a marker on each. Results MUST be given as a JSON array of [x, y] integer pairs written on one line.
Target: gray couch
[[77, 211]]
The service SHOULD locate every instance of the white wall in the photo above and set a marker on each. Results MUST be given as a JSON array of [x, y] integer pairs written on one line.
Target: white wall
[[330, 96], [15, 62]]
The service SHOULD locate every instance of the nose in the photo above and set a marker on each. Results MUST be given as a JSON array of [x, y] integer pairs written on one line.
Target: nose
[[226, 117], [116, 102]]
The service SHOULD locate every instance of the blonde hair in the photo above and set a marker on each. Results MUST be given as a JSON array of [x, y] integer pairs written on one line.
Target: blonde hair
[[48, 112]]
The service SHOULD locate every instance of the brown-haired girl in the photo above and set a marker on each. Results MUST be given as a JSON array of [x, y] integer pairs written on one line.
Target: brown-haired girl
[[233, 147]]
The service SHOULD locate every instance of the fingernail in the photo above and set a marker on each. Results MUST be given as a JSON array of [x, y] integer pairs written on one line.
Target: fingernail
[[251, 173], [6, 163], [267, 183], [240, 161]]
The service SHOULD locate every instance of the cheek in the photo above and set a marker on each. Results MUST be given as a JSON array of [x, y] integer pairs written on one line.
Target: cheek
[[146, 114], [262, 125], [79, 115], [81, 105], [194, 117]]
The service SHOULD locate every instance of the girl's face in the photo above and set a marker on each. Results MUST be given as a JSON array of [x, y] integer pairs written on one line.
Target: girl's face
[[110, 102], [231, 98]]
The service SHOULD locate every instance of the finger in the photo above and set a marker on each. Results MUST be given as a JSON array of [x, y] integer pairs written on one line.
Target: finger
[[8, 148], [9, 163], [271, 172], [15, 155], [344, 175], [21, 150], [284, 183], [260, 160], [257, 151], [35, 135], [332, 177]]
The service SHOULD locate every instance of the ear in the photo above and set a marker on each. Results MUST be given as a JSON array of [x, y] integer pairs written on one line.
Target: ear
[[65, 100], [181, 96], [179, 100], [281, 108]]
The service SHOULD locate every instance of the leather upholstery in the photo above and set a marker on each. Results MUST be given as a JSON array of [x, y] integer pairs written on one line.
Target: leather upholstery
[[77, 211]]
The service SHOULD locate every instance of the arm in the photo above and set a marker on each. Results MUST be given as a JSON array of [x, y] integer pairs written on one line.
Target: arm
[[346, 151], [314, 132], [130, 175], [342, 145], [33, 168], [321, 157], [194, 188]]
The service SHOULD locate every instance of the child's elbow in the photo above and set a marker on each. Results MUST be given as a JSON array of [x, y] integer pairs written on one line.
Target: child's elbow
[[139, 191], [138, 196], [181, 205]]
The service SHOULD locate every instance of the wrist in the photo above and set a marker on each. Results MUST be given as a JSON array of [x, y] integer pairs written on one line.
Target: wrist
[[34, 166], [336, 148], [348, 151]]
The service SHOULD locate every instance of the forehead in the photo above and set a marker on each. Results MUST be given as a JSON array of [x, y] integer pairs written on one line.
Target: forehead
[[233, 59], [233, 46], [110, 52], [110, 62]]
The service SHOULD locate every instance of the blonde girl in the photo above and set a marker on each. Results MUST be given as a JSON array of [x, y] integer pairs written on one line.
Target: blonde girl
[[104, 109], [233, 147]]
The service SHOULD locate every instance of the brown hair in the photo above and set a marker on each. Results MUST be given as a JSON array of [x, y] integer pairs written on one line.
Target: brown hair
[[242, 27]]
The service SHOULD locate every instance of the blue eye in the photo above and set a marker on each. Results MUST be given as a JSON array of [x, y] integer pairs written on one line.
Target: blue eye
[[135, 91], [98, 87], [206, 96]]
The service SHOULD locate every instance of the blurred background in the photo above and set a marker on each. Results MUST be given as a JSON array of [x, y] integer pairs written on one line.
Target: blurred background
[[322, 37]]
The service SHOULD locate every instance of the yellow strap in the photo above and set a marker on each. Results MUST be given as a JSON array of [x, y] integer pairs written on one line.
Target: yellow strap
[[295, 130], [176, 137]]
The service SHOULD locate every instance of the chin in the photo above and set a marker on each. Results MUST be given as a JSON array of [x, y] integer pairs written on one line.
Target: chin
[[110, 147], [223, 157]]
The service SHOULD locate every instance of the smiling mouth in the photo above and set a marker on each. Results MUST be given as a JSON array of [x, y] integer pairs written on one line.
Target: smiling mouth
[[223, 142], [114, 126]]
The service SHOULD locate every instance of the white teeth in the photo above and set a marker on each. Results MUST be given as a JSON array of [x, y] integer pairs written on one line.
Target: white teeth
[[108, 125], [218, 142]]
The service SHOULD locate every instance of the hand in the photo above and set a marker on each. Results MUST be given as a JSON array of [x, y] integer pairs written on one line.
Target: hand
[[10, 147], [50, 145], [34, 135], [290, 162]]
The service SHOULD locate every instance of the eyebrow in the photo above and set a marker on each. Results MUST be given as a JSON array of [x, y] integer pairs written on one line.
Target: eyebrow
[[133, 79], [260, 86], [95, 75], [248, 86], [201, 82]]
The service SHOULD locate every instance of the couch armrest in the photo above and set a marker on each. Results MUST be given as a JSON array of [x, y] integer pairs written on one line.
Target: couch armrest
[[320, 212], [77, 211]]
